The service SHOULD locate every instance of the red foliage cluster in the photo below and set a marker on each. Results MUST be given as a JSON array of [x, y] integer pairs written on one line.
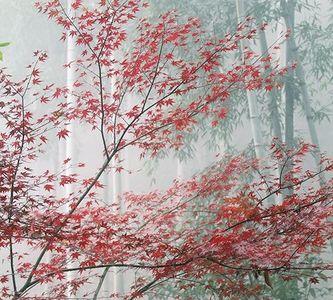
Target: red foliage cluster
[[211, 224]]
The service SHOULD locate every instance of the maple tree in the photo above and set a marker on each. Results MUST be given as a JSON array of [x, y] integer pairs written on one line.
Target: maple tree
[[212, 224]]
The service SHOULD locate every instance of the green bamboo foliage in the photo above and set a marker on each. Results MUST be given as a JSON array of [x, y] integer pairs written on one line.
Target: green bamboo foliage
[[3, 44]]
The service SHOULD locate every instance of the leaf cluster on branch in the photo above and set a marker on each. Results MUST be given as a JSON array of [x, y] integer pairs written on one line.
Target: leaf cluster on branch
[[211, 224]]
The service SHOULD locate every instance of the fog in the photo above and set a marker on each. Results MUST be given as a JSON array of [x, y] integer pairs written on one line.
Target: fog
[[244, 129]]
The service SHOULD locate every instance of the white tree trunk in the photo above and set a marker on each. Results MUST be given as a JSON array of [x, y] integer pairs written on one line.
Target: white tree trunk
[[272, 96], [252, 101], [256, 127], [66, 149]]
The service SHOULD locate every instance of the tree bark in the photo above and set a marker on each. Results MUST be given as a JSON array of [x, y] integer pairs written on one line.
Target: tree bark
[[272, 96], [252, 101], [288, 13], [66, 151], [306, 100], [256, 128]]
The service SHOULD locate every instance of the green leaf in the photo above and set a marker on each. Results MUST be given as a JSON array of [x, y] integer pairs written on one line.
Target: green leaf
[[322, 276], [4, 44], [312, 292], [0, 56]]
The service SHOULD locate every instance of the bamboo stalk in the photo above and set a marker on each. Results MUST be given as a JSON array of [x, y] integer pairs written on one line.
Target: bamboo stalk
[[252, 101]]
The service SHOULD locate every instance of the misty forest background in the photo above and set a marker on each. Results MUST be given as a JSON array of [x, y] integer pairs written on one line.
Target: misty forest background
[[302, 110]]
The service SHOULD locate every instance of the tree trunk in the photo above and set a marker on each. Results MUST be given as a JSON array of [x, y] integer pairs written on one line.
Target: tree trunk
[[253, 107], [66, 151], [271, 97], [252, 101], [305, 96], [307, 108], [289, 15], [272, 100], [288, 9]]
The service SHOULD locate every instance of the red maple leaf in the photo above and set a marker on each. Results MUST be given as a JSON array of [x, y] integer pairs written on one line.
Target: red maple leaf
[[48, 187], [57, 93], [35, 73], [76, 4], [36, 81], [62, 134], [43, 139]]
